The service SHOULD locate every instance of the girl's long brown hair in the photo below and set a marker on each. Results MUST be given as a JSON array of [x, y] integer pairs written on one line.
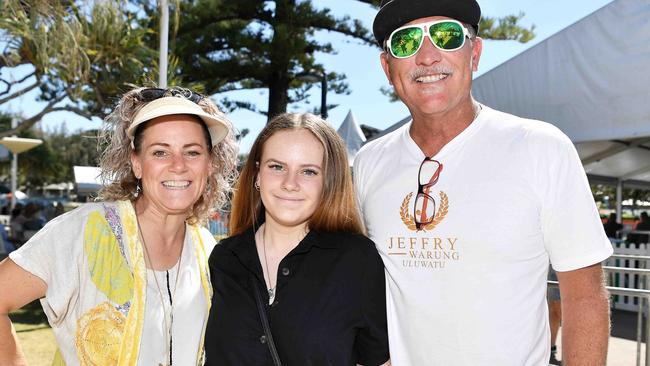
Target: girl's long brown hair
[[338, 209]]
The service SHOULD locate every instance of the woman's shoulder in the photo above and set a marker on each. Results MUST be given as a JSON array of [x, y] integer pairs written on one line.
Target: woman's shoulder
[[79, 215]]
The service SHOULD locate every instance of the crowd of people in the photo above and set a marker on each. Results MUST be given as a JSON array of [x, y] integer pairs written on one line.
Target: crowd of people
[[396, 264], [613, 227], [25, 220]]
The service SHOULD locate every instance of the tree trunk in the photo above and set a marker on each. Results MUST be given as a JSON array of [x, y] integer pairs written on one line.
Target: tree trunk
[[278, 93], [280, 58]]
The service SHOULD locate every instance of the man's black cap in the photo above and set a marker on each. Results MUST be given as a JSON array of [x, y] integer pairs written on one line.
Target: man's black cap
[[395, 13]]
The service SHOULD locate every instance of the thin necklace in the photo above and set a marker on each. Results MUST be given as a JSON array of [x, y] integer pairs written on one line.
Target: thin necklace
[[270, 289], [167, 329]]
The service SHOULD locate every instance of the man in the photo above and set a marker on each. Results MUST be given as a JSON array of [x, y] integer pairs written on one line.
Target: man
[[467, 205]]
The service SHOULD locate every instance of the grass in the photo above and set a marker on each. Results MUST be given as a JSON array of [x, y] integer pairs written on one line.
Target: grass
[[34, 334]]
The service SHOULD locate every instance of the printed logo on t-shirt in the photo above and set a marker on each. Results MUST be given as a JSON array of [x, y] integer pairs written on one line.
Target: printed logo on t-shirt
[[436, 215], [424, 249]]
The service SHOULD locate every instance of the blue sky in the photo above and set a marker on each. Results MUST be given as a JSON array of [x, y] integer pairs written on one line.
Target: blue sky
[[361, 65]]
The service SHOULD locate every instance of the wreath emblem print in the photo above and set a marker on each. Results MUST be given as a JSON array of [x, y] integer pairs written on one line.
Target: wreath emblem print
[[409, 221]]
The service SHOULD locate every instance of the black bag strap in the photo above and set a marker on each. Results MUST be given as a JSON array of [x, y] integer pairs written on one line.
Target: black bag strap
[[265, 322]]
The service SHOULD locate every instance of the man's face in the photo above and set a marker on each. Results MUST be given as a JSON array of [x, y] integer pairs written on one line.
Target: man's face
[[433, 82]]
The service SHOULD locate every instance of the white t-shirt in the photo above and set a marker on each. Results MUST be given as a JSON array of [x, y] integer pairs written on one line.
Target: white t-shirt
[[188, 311], [470, 289]]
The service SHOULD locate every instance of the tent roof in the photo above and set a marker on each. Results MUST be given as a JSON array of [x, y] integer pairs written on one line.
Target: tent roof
[[392, 127], [352, 135], [591, 81]]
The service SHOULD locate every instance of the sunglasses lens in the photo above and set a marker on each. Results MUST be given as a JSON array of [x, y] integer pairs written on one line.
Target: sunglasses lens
[[150, 94], [406, 42], [447, 35]]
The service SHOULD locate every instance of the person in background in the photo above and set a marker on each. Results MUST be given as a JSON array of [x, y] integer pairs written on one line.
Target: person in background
[[468, 205], [16, 224], [612, 226], [6, 246], [34, 219], [554, 302], [125, 281], [59, 209], [644, 222], [297, 256]]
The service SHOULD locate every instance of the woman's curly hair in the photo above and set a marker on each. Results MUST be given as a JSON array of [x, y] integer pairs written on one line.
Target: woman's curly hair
[[117, 174]]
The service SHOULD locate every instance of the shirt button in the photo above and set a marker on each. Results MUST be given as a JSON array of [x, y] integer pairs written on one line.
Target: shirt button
[[263, 339], [285, 271]]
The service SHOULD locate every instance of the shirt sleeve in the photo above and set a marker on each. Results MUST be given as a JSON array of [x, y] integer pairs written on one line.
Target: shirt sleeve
[[371, 344], [573, 233], [52, 255]]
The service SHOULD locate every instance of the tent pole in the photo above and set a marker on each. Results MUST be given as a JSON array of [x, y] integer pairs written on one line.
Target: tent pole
[[14, 171], [619, 201]]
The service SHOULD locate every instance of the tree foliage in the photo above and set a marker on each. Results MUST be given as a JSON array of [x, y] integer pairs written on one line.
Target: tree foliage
[[81, 55], [506, 28], [53, 160], [605, 196], [247, 44], [233, 45]]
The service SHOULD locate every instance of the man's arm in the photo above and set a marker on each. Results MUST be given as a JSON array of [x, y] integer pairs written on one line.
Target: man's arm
[[585, 316]]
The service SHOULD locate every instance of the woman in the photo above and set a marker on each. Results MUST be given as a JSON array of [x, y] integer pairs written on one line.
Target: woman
[[125, 282], [297, 240]]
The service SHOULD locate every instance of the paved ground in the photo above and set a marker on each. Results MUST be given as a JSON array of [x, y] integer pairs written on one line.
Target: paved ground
[[622, 343]]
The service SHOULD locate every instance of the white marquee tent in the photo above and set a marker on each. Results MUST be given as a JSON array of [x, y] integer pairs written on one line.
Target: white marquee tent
[[592, 80], [352, 135]]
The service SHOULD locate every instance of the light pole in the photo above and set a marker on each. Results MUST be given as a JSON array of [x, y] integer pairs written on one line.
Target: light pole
[[17, 145], [314, 77], [164, 36]]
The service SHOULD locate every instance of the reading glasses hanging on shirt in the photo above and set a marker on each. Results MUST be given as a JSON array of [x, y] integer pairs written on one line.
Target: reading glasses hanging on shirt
[[424, 209]]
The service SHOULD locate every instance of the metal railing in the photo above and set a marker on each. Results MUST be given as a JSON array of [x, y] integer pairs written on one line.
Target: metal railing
[[641, 294]]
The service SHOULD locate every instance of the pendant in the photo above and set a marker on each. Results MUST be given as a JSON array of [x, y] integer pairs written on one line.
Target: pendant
[[271, 293]]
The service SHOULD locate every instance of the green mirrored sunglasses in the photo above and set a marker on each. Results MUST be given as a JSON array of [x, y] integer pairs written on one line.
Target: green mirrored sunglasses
[[446, 35]]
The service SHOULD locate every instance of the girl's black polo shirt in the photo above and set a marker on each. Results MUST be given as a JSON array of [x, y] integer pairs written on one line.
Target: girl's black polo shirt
[[329, 308]]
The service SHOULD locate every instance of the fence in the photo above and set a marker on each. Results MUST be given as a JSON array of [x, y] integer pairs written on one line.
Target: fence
[[628, 255], [627, 273], [641, 295]]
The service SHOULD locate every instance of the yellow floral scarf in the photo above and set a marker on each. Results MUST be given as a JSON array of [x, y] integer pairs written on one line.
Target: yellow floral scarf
[[110, 333]]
